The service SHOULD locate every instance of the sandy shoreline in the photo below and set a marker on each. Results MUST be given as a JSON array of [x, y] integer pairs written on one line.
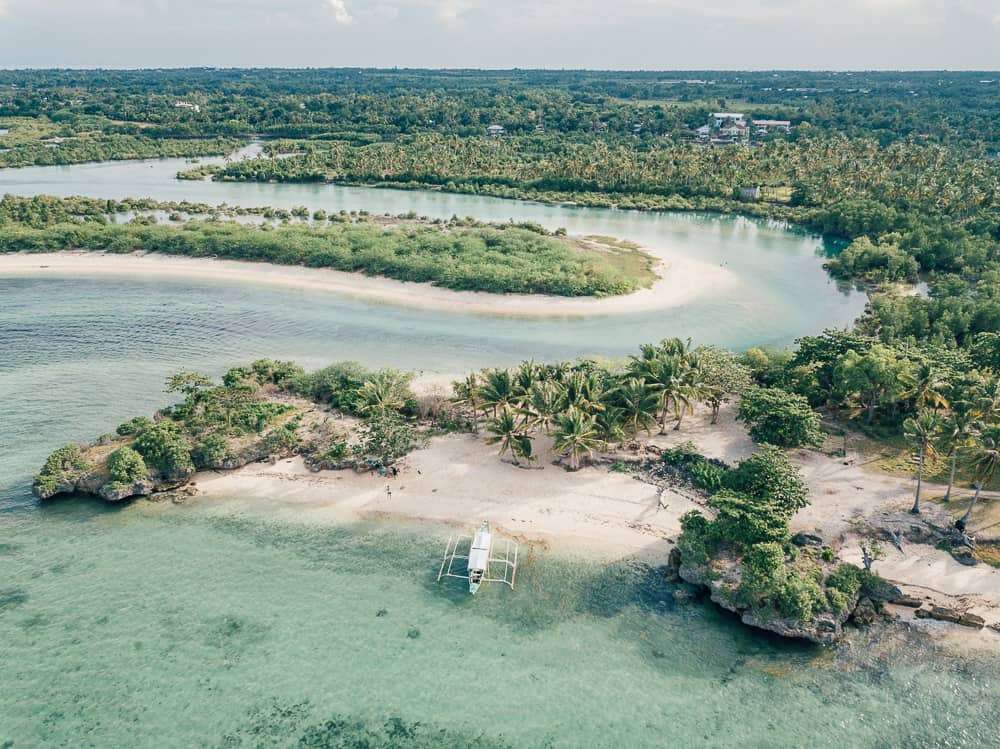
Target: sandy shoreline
[[458, 480], [681, 281]]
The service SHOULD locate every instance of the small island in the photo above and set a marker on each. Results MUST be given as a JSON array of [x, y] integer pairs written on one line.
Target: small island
[[459, 254], [749, 528]]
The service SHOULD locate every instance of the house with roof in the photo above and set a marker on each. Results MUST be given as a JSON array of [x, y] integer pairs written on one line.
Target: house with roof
[[728, 119], [763, 127]]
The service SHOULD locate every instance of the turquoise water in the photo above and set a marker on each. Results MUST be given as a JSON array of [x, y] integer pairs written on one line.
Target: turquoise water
[[213, 624], [780, 291], [188, 626]]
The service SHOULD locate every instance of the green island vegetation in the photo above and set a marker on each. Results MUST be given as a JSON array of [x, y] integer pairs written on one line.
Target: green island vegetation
[[46, 142], [745, 553], [903, 167], [460, 254], [345, 416], [264, 410]]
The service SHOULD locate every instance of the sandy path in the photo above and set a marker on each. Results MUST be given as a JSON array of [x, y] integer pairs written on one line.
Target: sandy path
[[681, 281]]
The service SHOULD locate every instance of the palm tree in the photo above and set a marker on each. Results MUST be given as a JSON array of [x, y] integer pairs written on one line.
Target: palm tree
[[467, 394], [522, 448], [506, 432], [988, 404], [497, 390], [958, 430], [545, 400], [637, 403], [380, 396], [585, 391], [928, 388], [984, 459], [661, 376], [610, 425], [576, 436], [687, 393], [524, 377], [922, 430]]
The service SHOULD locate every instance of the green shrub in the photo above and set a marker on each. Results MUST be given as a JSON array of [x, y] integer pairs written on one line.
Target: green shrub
[[847, 578], [837, 600], [335, 452], [280, 373], [780, 418], [384, 439], [801, 597], [769, 475], [164, 447], [211, 452], [695, 541], [764, 572], [707, 476], [746, 521], [691, 466], [63, 464], [254, 416], [126, 466], [337, 385], [683, 454], [281, 440], [239, 376], [134, 426]]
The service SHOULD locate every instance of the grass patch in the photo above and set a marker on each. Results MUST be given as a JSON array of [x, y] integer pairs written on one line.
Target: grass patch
[[25, 131], [619, 257], [890, 453]]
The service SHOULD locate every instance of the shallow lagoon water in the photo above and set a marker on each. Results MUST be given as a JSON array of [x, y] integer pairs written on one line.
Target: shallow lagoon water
[[214, 624], [780, 291], [190, 626], [154, 625]]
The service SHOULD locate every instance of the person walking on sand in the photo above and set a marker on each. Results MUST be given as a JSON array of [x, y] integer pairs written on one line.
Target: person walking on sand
[[388, 492]]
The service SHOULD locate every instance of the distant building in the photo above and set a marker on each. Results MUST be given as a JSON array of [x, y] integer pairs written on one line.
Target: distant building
[[763, 127], [728, 119], [495, 131], [750, 193], [704, 132], [187, 105]]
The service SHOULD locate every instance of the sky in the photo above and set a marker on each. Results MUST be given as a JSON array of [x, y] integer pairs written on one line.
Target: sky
[[602, 34]]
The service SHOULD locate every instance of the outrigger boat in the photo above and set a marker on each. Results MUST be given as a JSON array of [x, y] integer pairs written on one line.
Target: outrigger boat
[[479, 559]]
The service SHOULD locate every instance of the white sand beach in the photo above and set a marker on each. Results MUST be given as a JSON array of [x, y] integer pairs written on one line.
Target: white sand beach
[[681, 280], [459, 480]]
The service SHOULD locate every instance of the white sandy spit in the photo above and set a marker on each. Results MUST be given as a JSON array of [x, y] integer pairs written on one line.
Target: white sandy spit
[[681, 281]]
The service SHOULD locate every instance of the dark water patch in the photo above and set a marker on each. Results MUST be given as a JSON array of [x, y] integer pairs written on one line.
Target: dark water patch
[[78, 508], [12, 598], [355, 548], [233, 636], [34, 621], [296, 725]]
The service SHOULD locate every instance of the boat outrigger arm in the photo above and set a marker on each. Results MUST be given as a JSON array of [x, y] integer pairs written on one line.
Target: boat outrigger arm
[[481, 566]]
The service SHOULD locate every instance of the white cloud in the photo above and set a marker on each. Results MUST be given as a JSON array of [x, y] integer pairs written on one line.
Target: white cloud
[[340, 13], [449, 12]]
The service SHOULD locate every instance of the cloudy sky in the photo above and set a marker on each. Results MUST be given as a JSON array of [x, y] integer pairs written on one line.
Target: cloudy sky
[[646, 34]]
